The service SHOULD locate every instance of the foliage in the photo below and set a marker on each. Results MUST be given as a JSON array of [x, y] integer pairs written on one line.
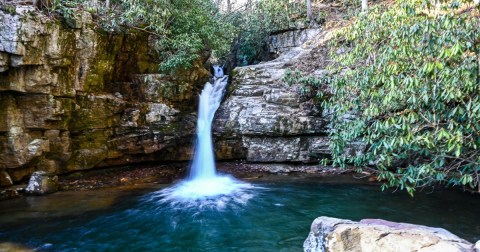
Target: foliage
[[181, 30], [292, 77], [409, 89], [308, 86], [256, 23], [8, 8]]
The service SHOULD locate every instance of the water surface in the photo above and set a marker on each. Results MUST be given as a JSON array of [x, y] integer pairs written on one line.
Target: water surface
[[276, 218]]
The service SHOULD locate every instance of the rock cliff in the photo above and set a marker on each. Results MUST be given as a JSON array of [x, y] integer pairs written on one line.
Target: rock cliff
[[265, 120], [73, 97]]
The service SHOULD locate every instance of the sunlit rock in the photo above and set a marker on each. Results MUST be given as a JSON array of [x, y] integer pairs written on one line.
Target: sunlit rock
[[375, 235], [42, 183]]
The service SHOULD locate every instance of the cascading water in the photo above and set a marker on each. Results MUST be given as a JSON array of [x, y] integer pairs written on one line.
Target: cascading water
[[203, 166], [218, 71], [204, 188]]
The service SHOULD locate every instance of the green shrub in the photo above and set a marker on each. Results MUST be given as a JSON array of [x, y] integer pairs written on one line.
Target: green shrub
[[181, 30], [308, 86], [254, 25], [411, 80]]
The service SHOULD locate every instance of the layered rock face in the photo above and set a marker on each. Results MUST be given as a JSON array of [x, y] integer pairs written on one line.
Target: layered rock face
[[285, 41], [331, 234], [73, 98], [265, 120]]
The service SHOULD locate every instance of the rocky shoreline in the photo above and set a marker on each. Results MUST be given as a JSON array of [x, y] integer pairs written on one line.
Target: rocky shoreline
[[167, 173]]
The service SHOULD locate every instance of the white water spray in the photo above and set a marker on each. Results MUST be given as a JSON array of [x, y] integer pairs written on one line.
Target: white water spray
[[218, 71], [203, 166], [204, 188]]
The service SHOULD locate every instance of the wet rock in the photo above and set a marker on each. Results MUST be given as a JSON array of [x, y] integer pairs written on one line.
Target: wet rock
[[14, 247], [42, 183], [8, 194], [5, 179], [331, 234]]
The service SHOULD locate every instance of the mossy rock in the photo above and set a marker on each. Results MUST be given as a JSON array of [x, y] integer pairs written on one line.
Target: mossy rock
[[86, 159]]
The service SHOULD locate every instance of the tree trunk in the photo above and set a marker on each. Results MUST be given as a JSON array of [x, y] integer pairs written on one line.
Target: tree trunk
[[309, 10], [229, 6], [364, 6]]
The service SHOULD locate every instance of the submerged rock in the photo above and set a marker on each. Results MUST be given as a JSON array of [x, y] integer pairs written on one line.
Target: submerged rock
[[375, 235], [42, 183], [8, 194]]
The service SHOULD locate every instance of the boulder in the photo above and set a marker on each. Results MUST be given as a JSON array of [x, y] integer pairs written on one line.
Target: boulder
[[375, 235], [42, 183]]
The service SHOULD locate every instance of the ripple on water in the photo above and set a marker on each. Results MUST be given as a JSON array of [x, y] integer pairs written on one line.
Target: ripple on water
[[218, 192]]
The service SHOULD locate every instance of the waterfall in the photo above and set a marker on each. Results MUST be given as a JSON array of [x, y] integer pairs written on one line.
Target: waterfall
[[218, 71], [203, 165], [204, 188]]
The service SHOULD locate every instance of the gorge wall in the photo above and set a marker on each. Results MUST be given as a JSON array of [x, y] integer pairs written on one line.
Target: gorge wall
[[265, 120], [73, 97]]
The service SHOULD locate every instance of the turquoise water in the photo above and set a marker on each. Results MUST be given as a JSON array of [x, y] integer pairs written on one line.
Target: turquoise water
[[276, 218]]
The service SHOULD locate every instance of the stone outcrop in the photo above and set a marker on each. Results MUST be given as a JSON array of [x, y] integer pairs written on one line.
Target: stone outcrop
[[73, 97], [265, 120], [282, 42], [42, 183], [331, 234]]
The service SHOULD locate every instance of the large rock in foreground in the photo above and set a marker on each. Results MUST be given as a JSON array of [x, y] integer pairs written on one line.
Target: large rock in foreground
[[375, 235]]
